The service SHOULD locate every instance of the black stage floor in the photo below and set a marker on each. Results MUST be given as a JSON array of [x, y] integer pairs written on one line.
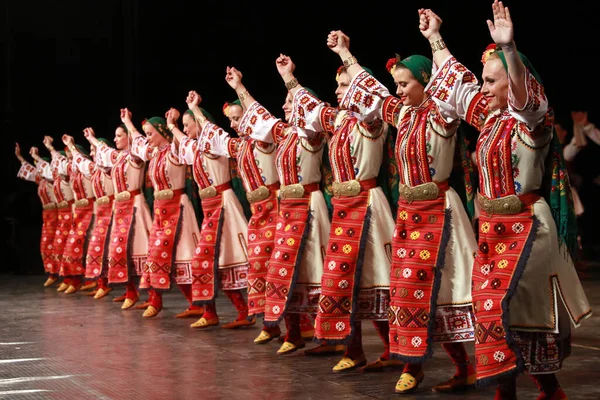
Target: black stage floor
[[57, 346]]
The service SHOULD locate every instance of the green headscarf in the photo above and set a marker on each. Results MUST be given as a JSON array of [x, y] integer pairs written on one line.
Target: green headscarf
[[204, 112], [62, 153], [82, 150], [160, 125], [107, 142], [47, 159], [231, 103], [495, 49], [419, 66], [311, 92]]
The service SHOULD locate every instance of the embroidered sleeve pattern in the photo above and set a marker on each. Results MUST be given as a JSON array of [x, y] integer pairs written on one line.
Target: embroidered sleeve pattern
[[106, 156], [536, 105], [60, 163], [28, 172], [141, 148], [456, 86], [312, 114], [44, 169], [365, 97], [84, 165], [187, 148], [390, 111], [216, 141], [258, 123]]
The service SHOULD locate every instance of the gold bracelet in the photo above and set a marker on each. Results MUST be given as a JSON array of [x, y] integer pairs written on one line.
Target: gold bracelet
[[243, 95], [170, 126], [72, 148], [438, 45], [289, 85], [350, 61]]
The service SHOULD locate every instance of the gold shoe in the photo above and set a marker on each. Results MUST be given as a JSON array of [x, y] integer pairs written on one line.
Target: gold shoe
[[456, 384], [89, 285], [128, 303], [203, 323], [50, 281], [325, 350], [408, 383], [348, 364], [265, 337], [289, 347], [100, 293], [62, 287], [71, 289], [150, 312]]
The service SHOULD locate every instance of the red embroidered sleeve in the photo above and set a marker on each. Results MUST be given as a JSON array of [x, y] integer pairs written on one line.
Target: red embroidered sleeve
[[391, 110]]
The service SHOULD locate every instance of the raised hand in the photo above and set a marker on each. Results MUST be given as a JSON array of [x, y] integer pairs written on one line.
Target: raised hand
[[285, 65], [48, 142], [193, 99], [501, 30], [125, 115], [68, 140], [89, 133], [33, 152], [172, 116], [233, 77], [429, 23], [17, 150], [338, 42]]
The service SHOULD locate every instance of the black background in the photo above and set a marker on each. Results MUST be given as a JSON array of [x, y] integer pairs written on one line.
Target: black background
[[69, 64]]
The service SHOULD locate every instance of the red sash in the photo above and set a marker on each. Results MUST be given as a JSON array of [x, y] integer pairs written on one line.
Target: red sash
[[343, 263], [205, 263], [505, 243], [291, 231], [418, 252], [63, 227], [49, 225], [95, 261], [120, 243], [162, 244], [76, 246], [261, 237]]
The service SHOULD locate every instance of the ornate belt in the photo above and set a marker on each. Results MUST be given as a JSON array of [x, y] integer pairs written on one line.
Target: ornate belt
[[261, 193], [511, 204], [127, 194], [297, 190], [49, 206], [167, 194], [64, 204], [83, 202], [424, 191], [105, 199], [213, 191], [352, 187]]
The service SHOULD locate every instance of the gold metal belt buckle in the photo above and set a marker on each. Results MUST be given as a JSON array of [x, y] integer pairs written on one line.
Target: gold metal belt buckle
[[208, 192], [257, 195], [425, 191], [82, 203], [63, 204], [166, 194], [49, 206], [103, 200], [346, 189], [123, 196], [294, 191], [510, 204]]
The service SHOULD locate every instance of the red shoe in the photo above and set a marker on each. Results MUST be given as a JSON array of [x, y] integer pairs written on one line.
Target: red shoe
[[239, 323], [120, 299], [197, 312]]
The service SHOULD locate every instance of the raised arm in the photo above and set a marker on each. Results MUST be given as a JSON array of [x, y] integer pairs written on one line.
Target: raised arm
[[193, 101], [339, 43], [139, 143], [42, 166], [429, 25], [83, 164], [105, 155], [502, 32], [60, 162], [27, 171], [234, 78]]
